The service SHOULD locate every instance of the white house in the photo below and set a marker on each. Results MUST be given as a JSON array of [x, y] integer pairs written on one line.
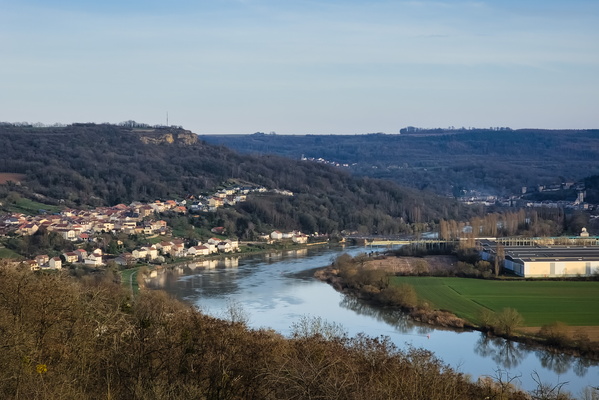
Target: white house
[[33, 265], [178, 248], [214, 241], [94, 260], [224, 247], [70, 257], [198, 251], [152, 252], [211, 247], [164, 247], [55, 263], [67, 234], [276, 235], [139, 253], [81, 254], [42, 259], [300, 238]]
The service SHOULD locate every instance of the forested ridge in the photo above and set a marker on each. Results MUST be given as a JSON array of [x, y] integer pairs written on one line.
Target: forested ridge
[[444, 161], [90, 165]]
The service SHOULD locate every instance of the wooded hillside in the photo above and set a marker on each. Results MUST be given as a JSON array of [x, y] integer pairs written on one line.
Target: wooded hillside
[[444, 161], [90, 165]]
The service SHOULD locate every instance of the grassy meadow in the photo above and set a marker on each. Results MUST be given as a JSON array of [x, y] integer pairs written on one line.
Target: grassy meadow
[[539, 302], [8, 253], [129, 279], [31, 207]]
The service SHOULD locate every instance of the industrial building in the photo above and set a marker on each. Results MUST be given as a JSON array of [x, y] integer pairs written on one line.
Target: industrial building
[[544, 260]]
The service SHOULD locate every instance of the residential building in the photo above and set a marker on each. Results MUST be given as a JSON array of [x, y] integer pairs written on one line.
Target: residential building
[[55, 263]]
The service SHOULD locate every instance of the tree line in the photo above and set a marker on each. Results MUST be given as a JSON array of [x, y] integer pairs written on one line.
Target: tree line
[[534, 222], [446, 161]]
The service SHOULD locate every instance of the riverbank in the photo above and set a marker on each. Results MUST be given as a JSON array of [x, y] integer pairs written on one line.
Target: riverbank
[[275, 292], [435, 318], [374, 288]]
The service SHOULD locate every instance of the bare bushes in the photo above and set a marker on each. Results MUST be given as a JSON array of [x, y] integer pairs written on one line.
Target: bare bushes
[[437, 318], [373, 284], [402, 296], [560, 336], [356, 276], [63, 339], [505, 323], [555, 334], [308, 327]]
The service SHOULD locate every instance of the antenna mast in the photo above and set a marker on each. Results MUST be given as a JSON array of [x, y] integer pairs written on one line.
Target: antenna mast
[[167, 118]]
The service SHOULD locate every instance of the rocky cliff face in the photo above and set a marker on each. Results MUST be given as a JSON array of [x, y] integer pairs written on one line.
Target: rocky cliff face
[[181, 137]]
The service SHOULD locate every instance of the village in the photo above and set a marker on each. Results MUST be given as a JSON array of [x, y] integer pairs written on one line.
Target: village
[[521, 199], [85, 229]]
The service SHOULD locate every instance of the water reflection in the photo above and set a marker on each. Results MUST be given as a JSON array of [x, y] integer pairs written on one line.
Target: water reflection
[[509, 355], [197, 277], [556, 362], [504, 352], [187, 268], [278, 288], [397, 319], [582, 365]]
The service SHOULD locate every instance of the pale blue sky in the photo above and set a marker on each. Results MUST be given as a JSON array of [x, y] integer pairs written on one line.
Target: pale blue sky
[[320, 66]]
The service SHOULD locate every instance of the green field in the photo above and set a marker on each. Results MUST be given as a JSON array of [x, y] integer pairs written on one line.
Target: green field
[[31, 207], [539, 302], [7, 253], [128, 281]]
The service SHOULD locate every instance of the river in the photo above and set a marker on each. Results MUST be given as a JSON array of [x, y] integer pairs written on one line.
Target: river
[[276, 290]]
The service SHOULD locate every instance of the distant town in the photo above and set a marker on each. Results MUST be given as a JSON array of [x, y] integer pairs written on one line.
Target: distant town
[[521, 201], [516, 200], [85, 228]]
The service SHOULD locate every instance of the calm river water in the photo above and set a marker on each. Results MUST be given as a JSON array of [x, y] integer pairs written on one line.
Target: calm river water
[[276, 290]]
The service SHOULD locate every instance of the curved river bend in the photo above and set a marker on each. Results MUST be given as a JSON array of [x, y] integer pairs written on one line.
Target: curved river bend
[[276, 290]]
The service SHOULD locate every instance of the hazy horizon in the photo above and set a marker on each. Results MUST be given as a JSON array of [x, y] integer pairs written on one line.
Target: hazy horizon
[[303, 67]]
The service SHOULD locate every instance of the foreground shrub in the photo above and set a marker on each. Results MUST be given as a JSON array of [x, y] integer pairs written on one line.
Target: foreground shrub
[[67, 339]]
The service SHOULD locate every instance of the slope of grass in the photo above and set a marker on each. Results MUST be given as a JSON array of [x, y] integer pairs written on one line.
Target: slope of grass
[[8, 253], [32, 207], [539, 302], [129, 279]]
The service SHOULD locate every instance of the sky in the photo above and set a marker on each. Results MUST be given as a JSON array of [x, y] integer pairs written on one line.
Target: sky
[[302, 66]]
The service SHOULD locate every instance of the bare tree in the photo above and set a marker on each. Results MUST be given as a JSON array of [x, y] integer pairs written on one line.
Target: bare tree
[[499, 257], [508, 320], [548, 391]]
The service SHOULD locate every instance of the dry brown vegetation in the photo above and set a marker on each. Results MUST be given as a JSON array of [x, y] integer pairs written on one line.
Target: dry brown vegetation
[[63, 338], [592, 332], [10, 177], [414, 265]]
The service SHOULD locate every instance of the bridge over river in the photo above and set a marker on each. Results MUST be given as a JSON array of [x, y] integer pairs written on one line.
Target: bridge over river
[[432, 242], [390, 241]]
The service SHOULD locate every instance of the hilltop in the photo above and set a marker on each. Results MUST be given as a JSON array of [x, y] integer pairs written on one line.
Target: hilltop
[[87, 165]]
